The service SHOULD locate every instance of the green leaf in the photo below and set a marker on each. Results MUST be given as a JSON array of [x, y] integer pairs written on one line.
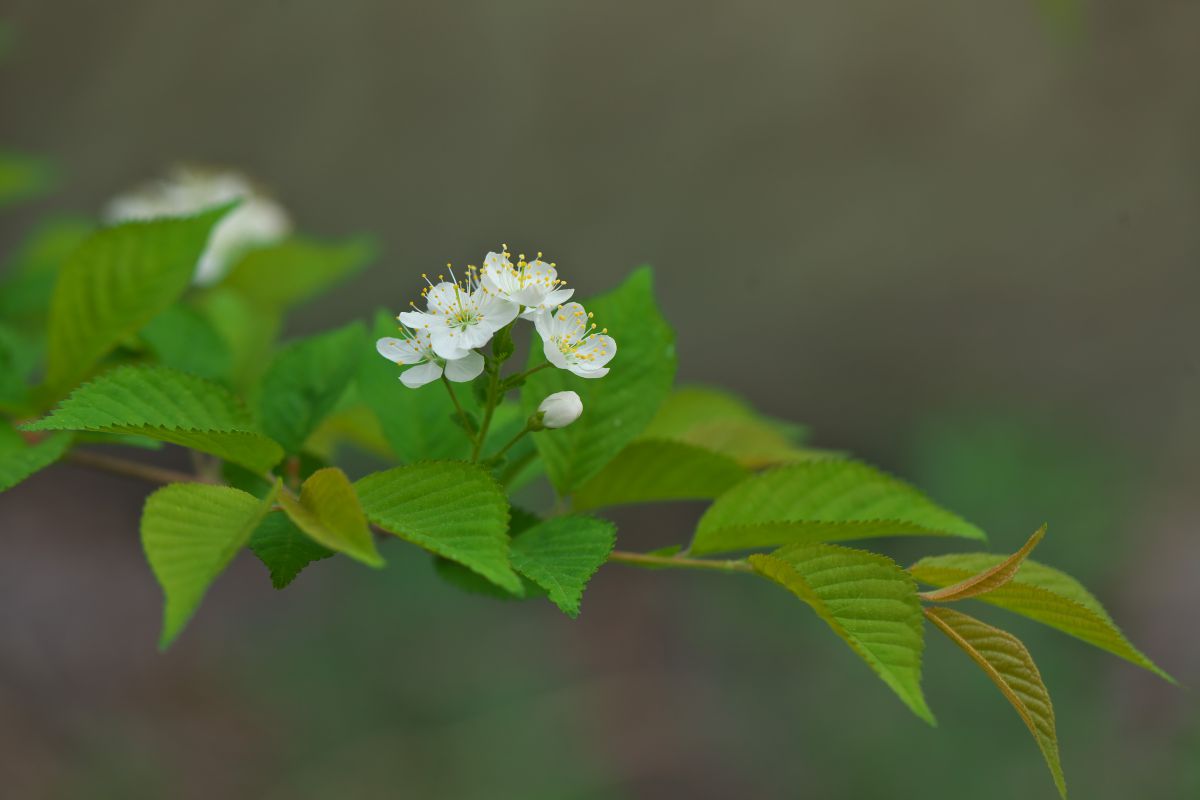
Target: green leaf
[[717, 420], [617, 407], [18, 358], [190, 533], [118, 280], [289, 272], [19, 459], [650, 470], [249, 331], [450, 508], [821, 501], [30, 273], [171, 406], [868, 600], [1004, 659], [562, 554], [305, 382], [1043, 594], [328, 511], [352, 422], [990, 579], [418, 423], [184, 339], [284, 549], [462, 578], [23, 177]]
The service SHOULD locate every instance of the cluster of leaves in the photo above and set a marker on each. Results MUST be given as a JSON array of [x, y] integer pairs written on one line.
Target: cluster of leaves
[[103, 340]]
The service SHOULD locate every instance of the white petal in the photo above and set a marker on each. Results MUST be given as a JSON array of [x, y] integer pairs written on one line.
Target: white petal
[[554, 355], [495, 310], [419, 320], [569, 322], [448, 344], [464, 369], [421, 374], [541, 322], [443, 297], [597, 351], [400, 351], [476, 335], [589, 373]]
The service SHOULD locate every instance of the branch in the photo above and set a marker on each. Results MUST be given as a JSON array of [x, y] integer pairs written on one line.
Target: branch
[[652, 561], [134, 469]]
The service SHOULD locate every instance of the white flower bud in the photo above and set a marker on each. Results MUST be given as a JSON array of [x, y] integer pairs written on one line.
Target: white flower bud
[[560, 409]]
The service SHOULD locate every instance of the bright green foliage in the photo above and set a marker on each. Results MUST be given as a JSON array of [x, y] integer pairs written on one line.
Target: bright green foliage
[[562, 554], [418, 423], [453, 509], [118, 280], [18, 357], [22, 177], [19, 459], [1004, 659], [284, 549], [168, 405], [248, 331], [822, 501], [190, 533], [29, 275], [1043, 594], [284, 274], [352, 421], [717, 420], [617, 407], [305, 382], [328, 511], [990, 579], [868, 600], [650, 470], [184, 339]]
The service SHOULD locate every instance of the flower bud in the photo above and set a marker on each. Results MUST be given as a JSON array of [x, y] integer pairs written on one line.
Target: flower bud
[[560, 409]]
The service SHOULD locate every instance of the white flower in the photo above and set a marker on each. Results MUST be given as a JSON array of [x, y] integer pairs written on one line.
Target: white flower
[[415, 348], [460, 315], [258, 221], [560, 409], [533, 284], [570, 343]]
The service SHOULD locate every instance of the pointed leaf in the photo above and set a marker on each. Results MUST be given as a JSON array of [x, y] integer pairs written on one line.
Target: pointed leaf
[[167, 405], [248, 330], [23, 177], [868, 600], [118, 280], [1004, 659], [305, 382], [19, 459], [328, 511], [717, 420], [284, 549], [453, 509], [650, 470], [1041, 593], [29, 275], [988, 580], [562, 554], [821, 501], [190, 532], [286, 273], [184, 339], [618, 406]]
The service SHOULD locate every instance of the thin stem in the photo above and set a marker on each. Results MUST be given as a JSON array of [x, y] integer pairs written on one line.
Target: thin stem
[[146, 472], [462, 414], [652, 561], [511, 442], [493, 383]]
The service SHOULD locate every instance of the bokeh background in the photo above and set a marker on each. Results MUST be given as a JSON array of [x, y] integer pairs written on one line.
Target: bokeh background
[[959, 239]]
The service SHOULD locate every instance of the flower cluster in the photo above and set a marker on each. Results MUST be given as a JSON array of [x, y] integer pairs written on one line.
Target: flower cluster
[[463, 314], [257, 221]]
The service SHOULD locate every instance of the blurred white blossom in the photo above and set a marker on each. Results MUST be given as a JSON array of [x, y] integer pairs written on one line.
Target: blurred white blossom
[[258, 221]]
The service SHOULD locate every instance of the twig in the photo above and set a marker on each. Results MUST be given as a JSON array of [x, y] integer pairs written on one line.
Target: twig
[[134, 469]]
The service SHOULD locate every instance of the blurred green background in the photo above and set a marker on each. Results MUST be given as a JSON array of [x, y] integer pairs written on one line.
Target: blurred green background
[[958, 239]]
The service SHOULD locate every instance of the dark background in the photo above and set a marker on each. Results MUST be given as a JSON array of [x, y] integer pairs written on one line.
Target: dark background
[[959, 239]]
